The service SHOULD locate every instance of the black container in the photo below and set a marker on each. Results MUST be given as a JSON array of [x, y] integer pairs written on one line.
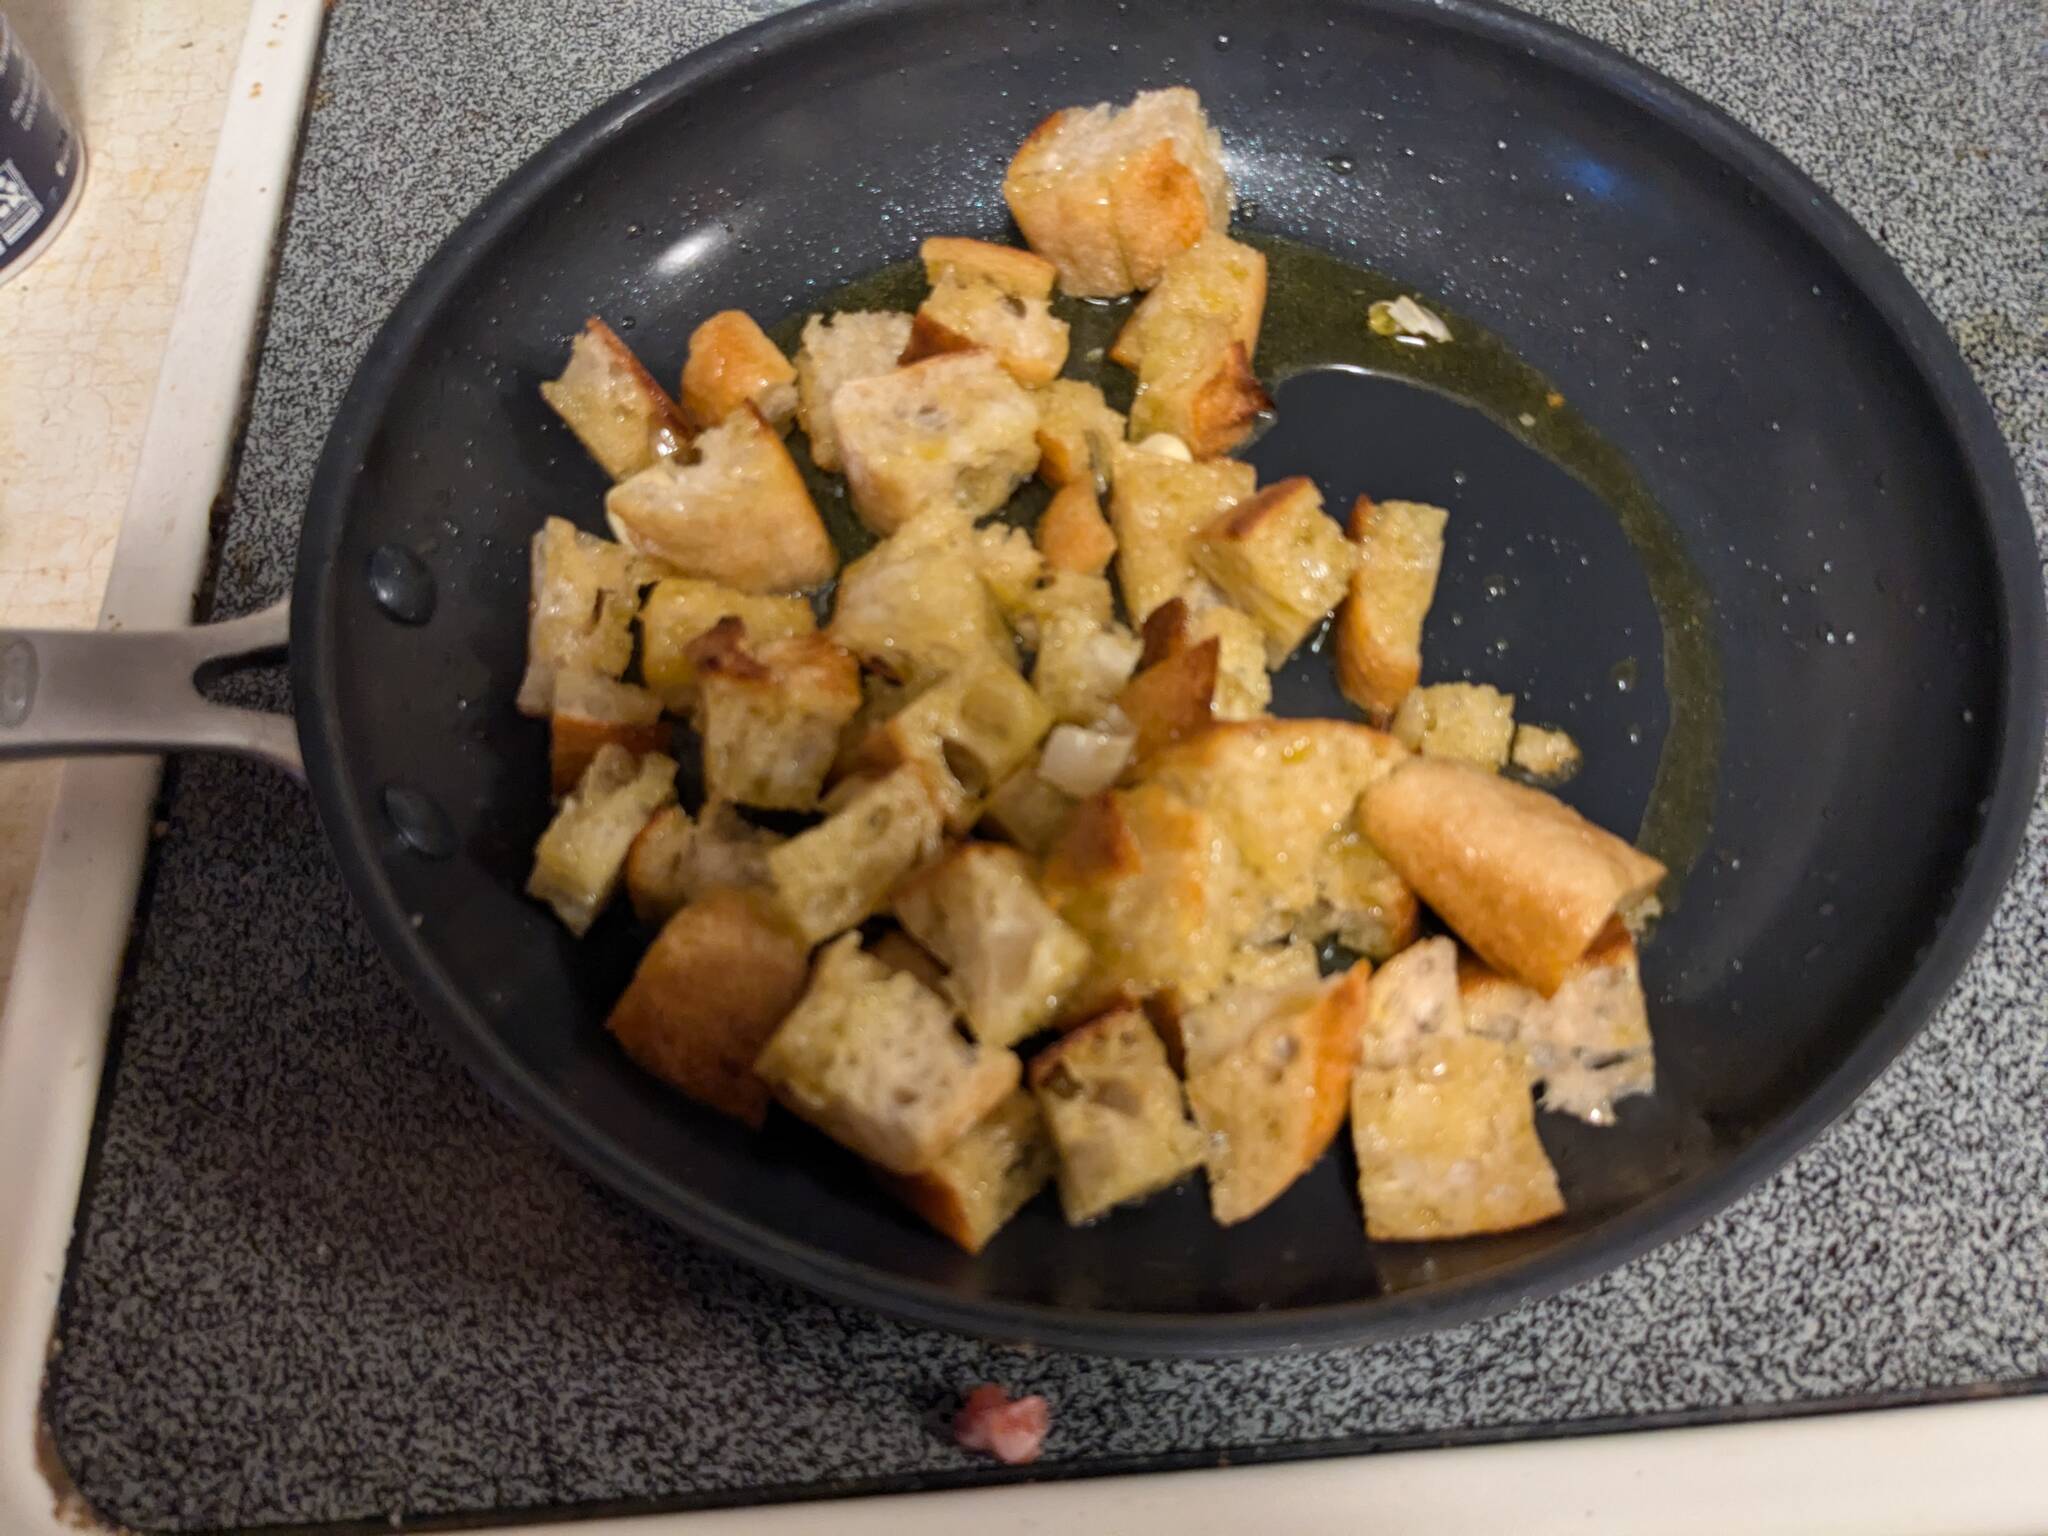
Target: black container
[[42, 159]]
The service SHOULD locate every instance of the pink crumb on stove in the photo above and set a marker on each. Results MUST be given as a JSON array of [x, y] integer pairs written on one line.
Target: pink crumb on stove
[[1010, 1431]]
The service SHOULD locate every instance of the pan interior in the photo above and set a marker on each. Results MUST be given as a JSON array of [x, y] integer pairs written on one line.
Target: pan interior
[[1770, 411]]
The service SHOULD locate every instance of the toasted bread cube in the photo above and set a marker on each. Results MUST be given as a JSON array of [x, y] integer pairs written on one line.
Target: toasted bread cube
[[719, 977], [992, 296], [656, 862], [1243, 686], [965, 734], [872, 1059], [1447, 1144], [1109, 196], [1271, 1103], [1361, 900], [914, 608], [856, 344], [1156, 506], [1280, 559], [1115, 1112], [733, 363], [1545, 755], [1171, 699], [1379, 634], [831, 876], [592, 710], [1522, 878], [1062, 595], [1413, 999], [680, 610], [1010, 961], [621, 416], [1072, 533], [1082, 665], [1286, 793], [770, 716], [1213, 292], [900, 952], [1191, 343], [1027, 811], [1465, 722], [1010, 566], [954, 433], [579, 858], [1270, 966], [725, 850], [584, 595], [740, 514], [1155, 888], [1078, 433], [1256, 973], [986, 1177], [1589, 1043]]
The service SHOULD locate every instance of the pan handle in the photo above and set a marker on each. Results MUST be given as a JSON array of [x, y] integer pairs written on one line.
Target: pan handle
[[92, 692]]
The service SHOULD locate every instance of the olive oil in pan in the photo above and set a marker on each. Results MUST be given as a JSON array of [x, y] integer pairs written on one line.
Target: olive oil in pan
[[1316, 318]]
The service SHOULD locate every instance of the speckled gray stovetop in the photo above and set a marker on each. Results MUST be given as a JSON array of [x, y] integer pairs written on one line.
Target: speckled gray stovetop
[[319, 1276]]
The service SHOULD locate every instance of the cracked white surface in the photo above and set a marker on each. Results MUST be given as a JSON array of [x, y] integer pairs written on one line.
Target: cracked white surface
[[85, 325]]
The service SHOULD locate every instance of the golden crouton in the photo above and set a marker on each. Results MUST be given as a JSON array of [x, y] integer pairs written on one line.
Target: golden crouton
[[986, 1177], [1447, 1144], [655, 864], [1379, 634], [954, 433], [1545, 755], [1244, 688], [1073, 534], [1522, 878], [844, 869], [591, 710], [992, 296], [739, 514], [1064, 594], [579, 858], [872, 1059], [1270, 1104], [1413, 998], [965, 734], [1155, 888], [900, 952], [1588, 1044], [1010, 566], [1010, 961], [1465, 722], [1078, 432], [673, 862], [1082, 665], [585, 592], [613, 405], [719, 977], [914, 608], [1191, 342], [680, 609], [1280, 559], [1027, 811], [1115, 1112], [1156, 506], [856, 344], [1172, 698], [1286, 792], [733, 363], [1110, 195], [770, 715]]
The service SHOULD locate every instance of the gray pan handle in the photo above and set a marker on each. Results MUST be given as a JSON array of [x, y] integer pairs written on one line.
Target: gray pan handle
[[95, 692]]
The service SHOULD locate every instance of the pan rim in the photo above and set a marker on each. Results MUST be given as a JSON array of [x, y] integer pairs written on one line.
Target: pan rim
[[1987, 866]]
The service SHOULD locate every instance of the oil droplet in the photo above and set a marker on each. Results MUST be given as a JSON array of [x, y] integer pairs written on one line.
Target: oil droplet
[[1342, 165], [1495, 588], [420, 824], [1624, 674], [1223, 42]]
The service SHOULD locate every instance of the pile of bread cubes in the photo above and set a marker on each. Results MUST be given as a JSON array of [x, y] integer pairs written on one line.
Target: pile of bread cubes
[[1059, 902]]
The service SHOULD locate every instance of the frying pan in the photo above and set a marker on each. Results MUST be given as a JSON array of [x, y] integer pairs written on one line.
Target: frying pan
[[1815, 445]]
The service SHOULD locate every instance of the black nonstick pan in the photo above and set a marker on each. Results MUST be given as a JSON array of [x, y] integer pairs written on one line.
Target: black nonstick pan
[[1855, 702]]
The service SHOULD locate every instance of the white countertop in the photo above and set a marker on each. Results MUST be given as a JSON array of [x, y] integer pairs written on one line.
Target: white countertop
[[85, 325]]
